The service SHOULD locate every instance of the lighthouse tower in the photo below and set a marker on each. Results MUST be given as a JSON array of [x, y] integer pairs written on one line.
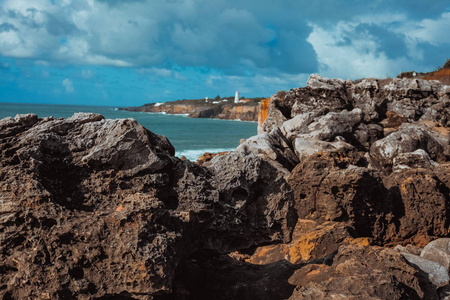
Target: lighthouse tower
[[236, 97]]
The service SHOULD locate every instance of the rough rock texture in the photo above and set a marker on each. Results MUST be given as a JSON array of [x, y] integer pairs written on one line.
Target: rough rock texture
[[373, 157], [359, 272], [340, 173], [100, 208], [364, 158], [205, 157]]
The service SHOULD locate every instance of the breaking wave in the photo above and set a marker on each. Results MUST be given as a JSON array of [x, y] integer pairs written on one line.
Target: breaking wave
[[194, 154]]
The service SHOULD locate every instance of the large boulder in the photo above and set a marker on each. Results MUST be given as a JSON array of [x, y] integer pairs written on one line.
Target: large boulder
[[421, 205], [272, 146], [97, 208], [330, 188], [409, 138], [251, 191]]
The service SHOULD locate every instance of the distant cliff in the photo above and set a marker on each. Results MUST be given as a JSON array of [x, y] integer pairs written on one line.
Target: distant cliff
[[247, 110]]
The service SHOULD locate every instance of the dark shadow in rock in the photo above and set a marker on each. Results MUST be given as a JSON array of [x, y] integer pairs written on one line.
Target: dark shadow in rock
[[209, 275], [63, 179]]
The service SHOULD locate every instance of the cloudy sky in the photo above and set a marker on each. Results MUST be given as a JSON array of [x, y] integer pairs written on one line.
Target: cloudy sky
[[131, 52]]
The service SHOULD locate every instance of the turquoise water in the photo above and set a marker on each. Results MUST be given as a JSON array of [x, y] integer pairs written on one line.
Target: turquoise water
[[190, 137]]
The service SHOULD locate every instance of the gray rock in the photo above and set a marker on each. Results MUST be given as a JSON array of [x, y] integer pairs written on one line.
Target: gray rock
[[122, 143], [252, 191], [272, 146], [305, 146], [334, 124], [412, 160], [81, 118], [438, 251], [365, 95], [367, 134], [409, 138], [299, 124], [315, 81], [437, 274]]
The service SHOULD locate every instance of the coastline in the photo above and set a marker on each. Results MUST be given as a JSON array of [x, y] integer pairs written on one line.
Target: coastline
[[248, 110], [317, 197]]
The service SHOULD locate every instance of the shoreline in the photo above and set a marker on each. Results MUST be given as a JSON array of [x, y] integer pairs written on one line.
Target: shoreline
[[247, 111]]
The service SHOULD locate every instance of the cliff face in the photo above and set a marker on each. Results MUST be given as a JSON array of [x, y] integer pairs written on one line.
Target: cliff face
[[244, 112], [310, 208], [173, 109]]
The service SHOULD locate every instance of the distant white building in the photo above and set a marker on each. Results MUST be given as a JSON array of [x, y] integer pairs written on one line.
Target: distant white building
[[206, 99], [236, 97]]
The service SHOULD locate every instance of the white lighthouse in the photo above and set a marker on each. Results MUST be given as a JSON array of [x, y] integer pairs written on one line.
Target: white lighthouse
[[236, 97]]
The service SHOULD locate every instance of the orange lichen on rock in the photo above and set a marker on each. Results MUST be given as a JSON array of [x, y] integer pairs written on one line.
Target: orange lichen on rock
[[263, 107], [309, 241], [207, 156]]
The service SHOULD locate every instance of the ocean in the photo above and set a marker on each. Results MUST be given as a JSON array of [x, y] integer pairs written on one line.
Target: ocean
[[190, 137]]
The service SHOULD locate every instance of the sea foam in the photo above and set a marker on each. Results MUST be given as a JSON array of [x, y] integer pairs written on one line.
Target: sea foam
[[194, 154]]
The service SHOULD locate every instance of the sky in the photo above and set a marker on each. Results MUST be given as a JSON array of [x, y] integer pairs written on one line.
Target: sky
[[132, 52]]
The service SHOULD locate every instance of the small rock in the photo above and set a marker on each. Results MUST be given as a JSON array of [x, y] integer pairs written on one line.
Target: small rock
[[438, 251], [437, 274]]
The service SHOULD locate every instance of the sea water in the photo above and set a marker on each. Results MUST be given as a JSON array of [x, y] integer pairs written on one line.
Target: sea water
[[190, 137]]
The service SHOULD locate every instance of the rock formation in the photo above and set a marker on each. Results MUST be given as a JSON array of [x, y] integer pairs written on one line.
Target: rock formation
[[344, 193], [101, 208]]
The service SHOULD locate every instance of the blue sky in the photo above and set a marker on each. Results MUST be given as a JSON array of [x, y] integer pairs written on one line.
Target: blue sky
[[131, 52]]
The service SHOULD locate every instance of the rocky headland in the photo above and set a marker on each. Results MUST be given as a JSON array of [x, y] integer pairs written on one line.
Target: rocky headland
[[248, 110], [343, 194]]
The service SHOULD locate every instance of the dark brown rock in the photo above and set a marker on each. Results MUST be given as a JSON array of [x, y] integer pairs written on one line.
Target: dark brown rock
[[212, 276], [330, 188], [359, 272], [425, 199], [97, 209], [100, 208]]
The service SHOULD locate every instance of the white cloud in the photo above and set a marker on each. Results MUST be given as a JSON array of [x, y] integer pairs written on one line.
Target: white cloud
[[138, 33], [435, 32], [363, 57], [68, 85], [235, 36]]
